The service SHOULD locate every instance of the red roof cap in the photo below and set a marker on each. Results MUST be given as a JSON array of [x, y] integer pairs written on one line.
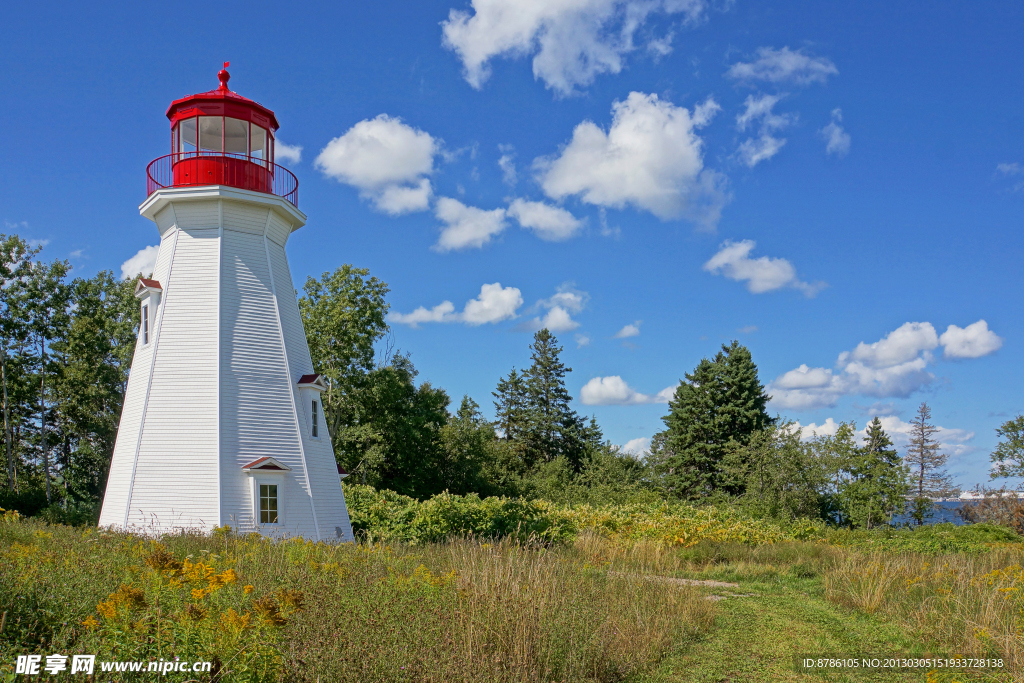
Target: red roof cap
[[222, 102], [256, 464], [152, 284], [309, 379]]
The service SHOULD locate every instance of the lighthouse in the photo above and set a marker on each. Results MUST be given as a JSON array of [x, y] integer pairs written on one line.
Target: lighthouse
[[222, 421]]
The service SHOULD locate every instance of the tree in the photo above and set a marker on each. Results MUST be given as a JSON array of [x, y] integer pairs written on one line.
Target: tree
[[468, 449], [510, 406], [553, 429], [1008, 457], [344, 315], [877, 487], [778, 473], [48, 298], [928, 477], [715, 409], [15, 263], [93, 357]]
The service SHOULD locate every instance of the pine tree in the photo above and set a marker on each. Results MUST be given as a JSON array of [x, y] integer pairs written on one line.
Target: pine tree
[[510, 406], [551, 422], [928, 477], [877, 485], [715, 409]]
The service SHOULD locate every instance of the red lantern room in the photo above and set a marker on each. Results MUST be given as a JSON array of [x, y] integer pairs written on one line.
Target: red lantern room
[[221, 138]]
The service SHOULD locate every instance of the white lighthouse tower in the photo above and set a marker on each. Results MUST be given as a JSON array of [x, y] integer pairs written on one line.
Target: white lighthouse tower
[[222, 421]]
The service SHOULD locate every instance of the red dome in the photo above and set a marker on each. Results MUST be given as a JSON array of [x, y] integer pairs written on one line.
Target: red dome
[[222, 102]]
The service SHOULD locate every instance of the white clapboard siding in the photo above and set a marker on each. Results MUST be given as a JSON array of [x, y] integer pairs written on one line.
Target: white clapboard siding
[[176, 470], [257, 419], [217, 387], [323, 469], [115, 500]]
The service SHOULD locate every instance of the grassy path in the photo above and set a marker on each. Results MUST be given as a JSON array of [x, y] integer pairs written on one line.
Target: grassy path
[[762, 625]]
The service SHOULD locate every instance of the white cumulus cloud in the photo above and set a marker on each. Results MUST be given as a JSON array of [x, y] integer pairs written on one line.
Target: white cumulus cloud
[[466, 227], [143, 262], [953, 441], [631, 330], [614, 391], [837, 140], [494, 304], [566, 301], [291, 154], [895, 366], [784, 66], [651, 158], [639, 446], [763, 274], [973, 341], [387, 160], [572, 41], [548, 222]]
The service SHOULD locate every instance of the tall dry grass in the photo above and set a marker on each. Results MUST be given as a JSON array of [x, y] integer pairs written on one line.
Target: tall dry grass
[[972, 604], [478, 611]]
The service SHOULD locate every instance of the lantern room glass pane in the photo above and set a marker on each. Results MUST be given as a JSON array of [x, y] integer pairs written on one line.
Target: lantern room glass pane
[[211, 135], [258, 144], [187, 138], [236, 136]]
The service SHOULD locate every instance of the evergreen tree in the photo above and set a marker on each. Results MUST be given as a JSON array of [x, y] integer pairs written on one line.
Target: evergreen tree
[[715, 409], [877, 485], [928, 477], [510, 406], [553, 428]]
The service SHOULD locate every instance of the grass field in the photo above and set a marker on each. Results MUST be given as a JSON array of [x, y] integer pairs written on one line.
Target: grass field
[[595, 606]]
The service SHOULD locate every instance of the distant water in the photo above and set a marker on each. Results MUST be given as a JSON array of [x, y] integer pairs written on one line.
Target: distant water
[[944, 511]]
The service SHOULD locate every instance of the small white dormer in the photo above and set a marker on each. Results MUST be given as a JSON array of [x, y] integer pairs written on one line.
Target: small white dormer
[[310, 387], [267, 489], [148, 292]]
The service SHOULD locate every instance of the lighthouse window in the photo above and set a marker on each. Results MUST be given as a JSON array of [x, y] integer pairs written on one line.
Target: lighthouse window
[[258, 143], [236, 136], [316, 426], [211, 134], [187, 137], [145, 324], [268, 503]]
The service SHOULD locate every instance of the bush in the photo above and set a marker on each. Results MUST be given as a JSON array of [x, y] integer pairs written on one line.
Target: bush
[[72, 513], [997, 508]]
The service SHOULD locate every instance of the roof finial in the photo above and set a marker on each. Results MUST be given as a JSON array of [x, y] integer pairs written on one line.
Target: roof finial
[[224, 76]]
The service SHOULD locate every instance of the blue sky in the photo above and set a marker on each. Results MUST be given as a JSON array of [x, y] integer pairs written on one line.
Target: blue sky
[[839, 188]]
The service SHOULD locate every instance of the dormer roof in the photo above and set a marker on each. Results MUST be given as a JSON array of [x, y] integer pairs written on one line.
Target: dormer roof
[[315, 381], [266, 464], [144, 286]]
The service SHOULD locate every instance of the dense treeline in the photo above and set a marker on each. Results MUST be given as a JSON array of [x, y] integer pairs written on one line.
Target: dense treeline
[[65, 352]]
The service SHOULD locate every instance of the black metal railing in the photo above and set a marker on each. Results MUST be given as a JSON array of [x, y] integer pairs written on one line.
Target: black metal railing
[[189, 169]]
